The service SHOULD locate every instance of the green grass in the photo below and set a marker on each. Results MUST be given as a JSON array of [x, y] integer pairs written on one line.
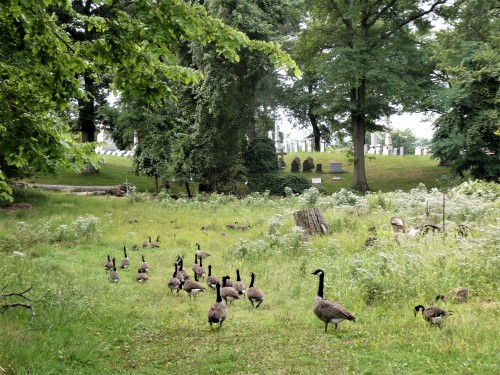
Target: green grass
[[384, 173], [85, 325]]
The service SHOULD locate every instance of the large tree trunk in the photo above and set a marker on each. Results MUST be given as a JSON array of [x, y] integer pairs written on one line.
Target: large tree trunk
[[86, 117], [316, 133], [311, 220], [358, 138]]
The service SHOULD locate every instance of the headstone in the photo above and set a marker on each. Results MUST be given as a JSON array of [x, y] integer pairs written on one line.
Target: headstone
[[316, 180], [295, 165], [322, 147], [401, 151], [319, 168], [418, 150], [306, 166], [366, 148], [336, 167]]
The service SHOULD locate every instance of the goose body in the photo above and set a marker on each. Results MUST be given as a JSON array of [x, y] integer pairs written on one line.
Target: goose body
[[146, 243], [232, 226], [183, 274], [114, 277], [329, 311], [212, 280], [174, 283], [254, 294], [156, 244], [200, 271], [218, 311], [142, 276], [434, 315], [108, 266], [201, 254], [228, 293], [144, 265], [126, 261], [193, 288], [238, 285], [459, 295]]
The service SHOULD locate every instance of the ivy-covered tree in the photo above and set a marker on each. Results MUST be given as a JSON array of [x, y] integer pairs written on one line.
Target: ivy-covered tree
[[466, 134]]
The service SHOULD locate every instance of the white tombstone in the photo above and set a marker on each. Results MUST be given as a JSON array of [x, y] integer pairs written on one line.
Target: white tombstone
[[270, 134], [418, 150], [366, 148], [316, 180], [322, 147], [401, 151]]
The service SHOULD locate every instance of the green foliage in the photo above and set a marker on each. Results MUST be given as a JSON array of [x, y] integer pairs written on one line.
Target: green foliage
[[465, 134], [261, 157], [134, 43], [277, 183]]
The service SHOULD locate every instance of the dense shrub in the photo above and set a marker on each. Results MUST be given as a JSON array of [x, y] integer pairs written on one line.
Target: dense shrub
[[276, 183], [261, 157]]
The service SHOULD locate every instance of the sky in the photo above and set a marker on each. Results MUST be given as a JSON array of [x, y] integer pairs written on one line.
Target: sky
[[416, 122]]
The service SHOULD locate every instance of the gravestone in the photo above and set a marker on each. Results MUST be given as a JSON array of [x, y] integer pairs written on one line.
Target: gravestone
[[335, 167], [295, 165], [306, 166], [319, 168]]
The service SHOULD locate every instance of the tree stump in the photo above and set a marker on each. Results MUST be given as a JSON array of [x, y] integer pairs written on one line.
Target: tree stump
[[311, 220]]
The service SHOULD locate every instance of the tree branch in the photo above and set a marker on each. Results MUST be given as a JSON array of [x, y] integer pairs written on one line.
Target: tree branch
[[379, 13], [20, 294], [5, 307]]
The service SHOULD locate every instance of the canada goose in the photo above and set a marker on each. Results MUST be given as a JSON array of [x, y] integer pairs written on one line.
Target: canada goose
[[195, 264], [200, 271], [193, 288], [373, 238], [205, 227], [229, 282], [254, 294], [146, 243], [182, 271], [424, 228], [125, 262], [114, 277], [232, 226], [135, 247], [156, 244], [228, 293], [211, 280], [434, 315], [218, 311], [132, 221], [329, 311], [244, 227], [144, 265], [463, 229], [141, 275], [201, 254], [108, 266], [174, 282], [459, 295], [238, 285]]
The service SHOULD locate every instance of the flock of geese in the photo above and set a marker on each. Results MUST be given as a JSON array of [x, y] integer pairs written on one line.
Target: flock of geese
[[229, 291], [226, 289]]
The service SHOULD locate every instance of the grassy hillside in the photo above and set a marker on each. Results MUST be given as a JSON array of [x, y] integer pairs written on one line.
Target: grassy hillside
[[86, 325], [384, 173]]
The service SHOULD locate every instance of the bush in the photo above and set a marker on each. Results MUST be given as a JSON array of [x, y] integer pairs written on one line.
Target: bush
[[260, 157], [276, 183]]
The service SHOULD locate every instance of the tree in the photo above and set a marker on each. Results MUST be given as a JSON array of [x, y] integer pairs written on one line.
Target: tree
[[404, 138], [369, 56], [233, 98], [466, 133], [40, 65]]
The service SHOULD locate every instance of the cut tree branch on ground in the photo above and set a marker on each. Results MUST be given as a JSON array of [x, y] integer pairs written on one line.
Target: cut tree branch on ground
[[4, 307], [118, 190]]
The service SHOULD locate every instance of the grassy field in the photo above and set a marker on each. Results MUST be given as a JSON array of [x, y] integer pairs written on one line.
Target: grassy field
[[384, 173], [86, 325]]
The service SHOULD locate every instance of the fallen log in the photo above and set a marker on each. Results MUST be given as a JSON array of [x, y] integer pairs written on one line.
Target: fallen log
[[311, 220], [117, 190]]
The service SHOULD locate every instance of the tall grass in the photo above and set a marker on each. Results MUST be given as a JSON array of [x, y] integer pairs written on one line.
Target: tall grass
[[85, 324]]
